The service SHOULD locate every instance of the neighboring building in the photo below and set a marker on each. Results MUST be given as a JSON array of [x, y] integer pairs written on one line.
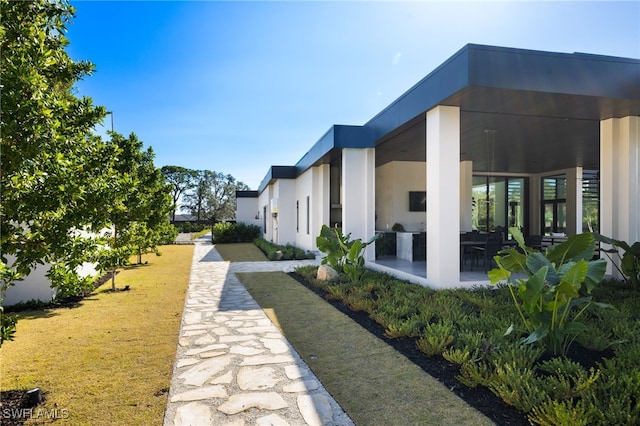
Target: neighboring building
[[182, 218], [549, 142]]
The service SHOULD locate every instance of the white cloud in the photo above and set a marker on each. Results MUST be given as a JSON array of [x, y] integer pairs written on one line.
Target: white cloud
[[396, 58]]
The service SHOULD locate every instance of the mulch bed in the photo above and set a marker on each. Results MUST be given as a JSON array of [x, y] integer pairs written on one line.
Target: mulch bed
[[480, 398]]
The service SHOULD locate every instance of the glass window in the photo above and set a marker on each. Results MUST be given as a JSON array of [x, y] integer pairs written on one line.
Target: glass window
[[554, 204], [590, 201], [498, 202]]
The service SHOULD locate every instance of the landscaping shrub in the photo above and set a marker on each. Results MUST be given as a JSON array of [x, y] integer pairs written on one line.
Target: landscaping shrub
[[342, 253], [228, 232], [288, 252], [556, 290], [187, 227], [467, 327]]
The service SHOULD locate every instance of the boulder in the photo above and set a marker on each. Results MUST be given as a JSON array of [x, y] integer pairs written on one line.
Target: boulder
[[326, 273]]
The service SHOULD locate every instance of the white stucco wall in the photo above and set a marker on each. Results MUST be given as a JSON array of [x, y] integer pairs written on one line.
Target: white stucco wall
[[305, 232], [394, 180], [247, 210], [285, 222], [36, 286], [265, 218]]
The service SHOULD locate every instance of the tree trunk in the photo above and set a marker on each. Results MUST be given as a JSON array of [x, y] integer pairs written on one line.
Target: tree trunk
[[115, 268]]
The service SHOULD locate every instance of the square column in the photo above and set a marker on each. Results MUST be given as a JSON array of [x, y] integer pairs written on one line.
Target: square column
[[320, 201], [443, 196], [358, 195], [620, 179], [574, 201]]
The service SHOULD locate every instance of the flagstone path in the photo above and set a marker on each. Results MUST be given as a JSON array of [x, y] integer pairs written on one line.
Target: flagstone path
[[233, 365]]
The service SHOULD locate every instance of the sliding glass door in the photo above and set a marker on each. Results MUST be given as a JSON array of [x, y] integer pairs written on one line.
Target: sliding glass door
[[498, 202], [554, 204]]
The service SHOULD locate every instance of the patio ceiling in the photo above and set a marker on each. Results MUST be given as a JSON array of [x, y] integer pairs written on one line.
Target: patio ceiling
[[534, 132]]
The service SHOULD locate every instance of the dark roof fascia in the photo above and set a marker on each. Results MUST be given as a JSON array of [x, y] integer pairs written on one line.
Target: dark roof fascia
[[480, 66], [551, 72], [337, 137], [247, 194], [277, 172], [513, 69]]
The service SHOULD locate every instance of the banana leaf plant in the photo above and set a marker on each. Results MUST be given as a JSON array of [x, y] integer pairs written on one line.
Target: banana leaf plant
[[342, 253], [628, 263], [551, 290]]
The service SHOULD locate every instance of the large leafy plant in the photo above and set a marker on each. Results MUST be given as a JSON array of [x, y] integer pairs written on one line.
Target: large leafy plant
[[551, 290], [628, 263], [342, 253]]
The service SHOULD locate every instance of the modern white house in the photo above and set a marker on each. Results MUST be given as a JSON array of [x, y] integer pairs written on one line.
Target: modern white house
[[493, 137]]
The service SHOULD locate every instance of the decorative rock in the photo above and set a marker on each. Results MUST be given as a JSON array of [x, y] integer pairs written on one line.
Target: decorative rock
[[194, 332], [234, 339], [192, 318], [201, 372], [326, 273], [224, 379], [255, 330], [306, 385], [244, 350], [279, 255], [186, 362], [275, 346], [295, 371], [206, 349], [271, 420], [256, 378], [221, 331], [193, 413], [201, 393], [204, 355], [315, 409], [204, 340], [266, 359], [244, 401]]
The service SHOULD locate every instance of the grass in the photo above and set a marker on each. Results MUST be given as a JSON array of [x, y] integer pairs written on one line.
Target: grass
[[240, 252], [109, 359], [372, 382], [196, 235]]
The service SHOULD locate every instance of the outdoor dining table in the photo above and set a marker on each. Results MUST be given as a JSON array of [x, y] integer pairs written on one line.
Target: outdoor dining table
[[482, 243]]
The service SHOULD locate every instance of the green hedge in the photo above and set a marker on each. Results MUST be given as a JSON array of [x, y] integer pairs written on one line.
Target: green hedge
[[234, 233], [289, 252], [189, 227]]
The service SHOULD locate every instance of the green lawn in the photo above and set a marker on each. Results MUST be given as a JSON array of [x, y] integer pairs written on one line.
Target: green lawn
[[108, 360]]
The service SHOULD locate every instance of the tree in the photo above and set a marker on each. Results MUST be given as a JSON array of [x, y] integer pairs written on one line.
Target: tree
[[220, 201], [182, 180], [139, 208], [53, 174], [214, 196]]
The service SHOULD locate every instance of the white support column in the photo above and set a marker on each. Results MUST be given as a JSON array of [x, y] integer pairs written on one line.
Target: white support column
[[466, 195], [574, 201], [443, 202], [620, 179], [320, 201], [358, 195], [535, 200]]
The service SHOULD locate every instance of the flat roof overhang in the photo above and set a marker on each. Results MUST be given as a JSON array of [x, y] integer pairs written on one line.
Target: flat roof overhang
[[544, 107]]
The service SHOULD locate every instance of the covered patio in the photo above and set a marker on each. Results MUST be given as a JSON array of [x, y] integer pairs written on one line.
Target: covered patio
[[508, 137]]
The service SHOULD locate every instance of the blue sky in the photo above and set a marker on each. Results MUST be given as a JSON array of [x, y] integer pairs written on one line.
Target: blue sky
[[236, 86]]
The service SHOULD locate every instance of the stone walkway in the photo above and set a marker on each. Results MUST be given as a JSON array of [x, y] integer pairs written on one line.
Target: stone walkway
[[233, 365]]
